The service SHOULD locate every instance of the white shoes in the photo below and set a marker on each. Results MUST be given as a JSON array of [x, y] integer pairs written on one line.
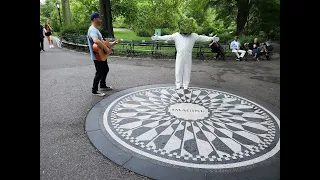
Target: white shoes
[[51, 46]]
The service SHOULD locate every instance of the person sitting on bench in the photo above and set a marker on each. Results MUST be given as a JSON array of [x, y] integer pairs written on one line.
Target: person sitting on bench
[[235, 47], [216, 48], [254, 49]]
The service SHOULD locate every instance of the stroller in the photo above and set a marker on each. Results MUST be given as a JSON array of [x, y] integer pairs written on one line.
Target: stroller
[[266, 50], [217, 48]]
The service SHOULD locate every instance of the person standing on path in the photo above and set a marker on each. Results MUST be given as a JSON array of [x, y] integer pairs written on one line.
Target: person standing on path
[[49, 34], [184, 42], [42, 32], [94, 37]]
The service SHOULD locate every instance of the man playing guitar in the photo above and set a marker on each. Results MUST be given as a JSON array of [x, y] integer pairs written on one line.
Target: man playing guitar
[[99, 51]]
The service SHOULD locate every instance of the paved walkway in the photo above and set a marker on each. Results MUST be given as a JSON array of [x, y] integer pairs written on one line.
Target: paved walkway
[[65, 98]]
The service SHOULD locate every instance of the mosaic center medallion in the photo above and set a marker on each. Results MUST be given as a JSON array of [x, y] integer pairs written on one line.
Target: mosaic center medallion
[[188, 111], [198, 127]]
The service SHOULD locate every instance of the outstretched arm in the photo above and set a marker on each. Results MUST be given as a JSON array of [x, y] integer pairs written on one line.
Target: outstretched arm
[[207, 38], [165, 37]]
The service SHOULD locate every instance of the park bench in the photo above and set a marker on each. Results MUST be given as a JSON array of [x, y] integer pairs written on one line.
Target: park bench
[[142, 46], [123, 47], [81, 42], [74, 40], [205, 49], [201, 50], [165, 48]]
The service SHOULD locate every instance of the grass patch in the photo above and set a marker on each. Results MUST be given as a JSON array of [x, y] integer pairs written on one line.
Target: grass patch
[[129, 35]]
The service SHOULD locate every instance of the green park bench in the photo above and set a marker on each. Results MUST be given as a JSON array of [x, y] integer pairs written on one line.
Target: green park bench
[[201, 50], [205, 50], [81, 42], [165, 48], [123, 47], [142, 47], [75, 41]]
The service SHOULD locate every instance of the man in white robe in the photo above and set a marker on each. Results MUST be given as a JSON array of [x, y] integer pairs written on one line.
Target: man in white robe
[[184, 42]]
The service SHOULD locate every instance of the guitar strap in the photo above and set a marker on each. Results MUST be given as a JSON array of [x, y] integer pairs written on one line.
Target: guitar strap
[[91, 42]]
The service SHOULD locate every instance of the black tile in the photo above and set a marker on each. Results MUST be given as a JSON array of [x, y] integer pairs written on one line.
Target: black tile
[[107, 148], [160, 172], [92, 122]]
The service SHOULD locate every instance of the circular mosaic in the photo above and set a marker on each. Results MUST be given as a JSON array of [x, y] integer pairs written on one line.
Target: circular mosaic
[[198, 127]]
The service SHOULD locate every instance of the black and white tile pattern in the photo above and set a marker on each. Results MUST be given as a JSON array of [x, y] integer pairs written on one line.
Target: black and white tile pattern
[[200, 128]]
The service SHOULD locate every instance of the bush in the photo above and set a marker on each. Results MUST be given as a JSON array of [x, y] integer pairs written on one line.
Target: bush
[[245, 39], [205, 30], [119, 22], [225, 38], [166, 31], [75, 29], [144, 33]]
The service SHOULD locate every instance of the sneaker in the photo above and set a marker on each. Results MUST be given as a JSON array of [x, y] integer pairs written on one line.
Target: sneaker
[[238, 59], [106, 88], [185, 88], [98, 93], [52, 46], [178, 87], [257, 59]]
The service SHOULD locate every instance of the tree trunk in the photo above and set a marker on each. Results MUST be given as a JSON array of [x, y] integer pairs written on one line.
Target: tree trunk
[[105, 12], [243, 13], [109, 19], [66, 12], [103, 17]]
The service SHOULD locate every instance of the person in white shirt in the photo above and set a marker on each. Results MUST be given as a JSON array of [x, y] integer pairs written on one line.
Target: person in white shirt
[[235, 47], [184, 42]]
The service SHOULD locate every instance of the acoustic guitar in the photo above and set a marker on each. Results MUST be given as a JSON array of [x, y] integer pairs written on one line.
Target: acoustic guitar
[[100, 53]]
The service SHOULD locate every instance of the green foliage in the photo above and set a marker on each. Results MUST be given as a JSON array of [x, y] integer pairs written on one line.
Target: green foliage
[[125, 8], [75, 29], [119, 22], [156, 14], [82, 9], [196, 9], [249, 39], [49, 12], [144, 16], [129, 35], [144, 32], [167, 31], [265, 16], [187, 25]]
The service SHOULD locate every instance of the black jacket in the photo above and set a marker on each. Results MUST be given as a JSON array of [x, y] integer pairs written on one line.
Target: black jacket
[[251, 46]]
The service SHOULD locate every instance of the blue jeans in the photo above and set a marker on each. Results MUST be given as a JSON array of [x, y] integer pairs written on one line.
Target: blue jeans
[[256, 52]]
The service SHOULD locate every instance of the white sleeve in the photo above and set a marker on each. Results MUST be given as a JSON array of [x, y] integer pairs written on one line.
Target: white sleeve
[[206, 38], [167, 37]]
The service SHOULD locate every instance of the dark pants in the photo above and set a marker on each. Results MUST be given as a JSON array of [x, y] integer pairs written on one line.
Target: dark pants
[[41, 44], [256, 52], [102, 70], [218, 54], [218, 51]]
